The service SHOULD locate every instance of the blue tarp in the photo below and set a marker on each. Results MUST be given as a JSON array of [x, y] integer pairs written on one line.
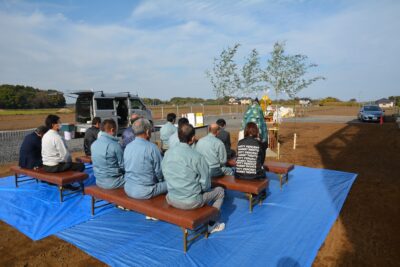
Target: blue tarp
[[287, 230], [35, 208]]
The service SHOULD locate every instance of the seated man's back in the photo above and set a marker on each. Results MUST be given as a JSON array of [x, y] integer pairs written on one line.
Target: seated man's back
[[30, 154], [225, 137], [107, 158], [142, 160], [186, 173], [167, 130], [91, 135], [213, 150], [188, 179]]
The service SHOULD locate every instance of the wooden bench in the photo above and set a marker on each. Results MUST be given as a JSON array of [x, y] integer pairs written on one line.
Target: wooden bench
[[84, 159], [60, 178], [195, 220], [255, 190], [280, 168]]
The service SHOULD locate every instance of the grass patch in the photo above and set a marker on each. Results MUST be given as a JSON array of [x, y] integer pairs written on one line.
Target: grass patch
[[35, 111]]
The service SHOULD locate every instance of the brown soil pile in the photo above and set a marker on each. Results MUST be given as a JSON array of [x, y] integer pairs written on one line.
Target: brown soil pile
[[365, 234]]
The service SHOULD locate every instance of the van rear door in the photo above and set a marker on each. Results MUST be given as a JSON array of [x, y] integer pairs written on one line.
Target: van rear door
[[104, 107]]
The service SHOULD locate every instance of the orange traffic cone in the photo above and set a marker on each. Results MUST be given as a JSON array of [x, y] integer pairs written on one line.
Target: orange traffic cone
[[381, 120]]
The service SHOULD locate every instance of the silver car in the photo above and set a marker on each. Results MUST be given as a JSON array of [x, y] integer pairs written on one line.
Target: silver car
[[370, 113]]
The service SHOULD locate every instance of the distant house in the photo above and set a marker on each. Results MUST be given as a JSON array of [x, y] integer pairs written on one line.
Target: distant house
[[233, 101], [304, 102], [384, 103], [245, 101]]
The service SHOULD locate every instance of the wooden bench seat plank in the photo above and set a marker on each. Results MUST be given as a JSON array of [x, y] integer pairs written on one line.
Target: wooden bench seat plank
[[278, 167], [59, 178], [156, 207], [254, 189], [241, 185]]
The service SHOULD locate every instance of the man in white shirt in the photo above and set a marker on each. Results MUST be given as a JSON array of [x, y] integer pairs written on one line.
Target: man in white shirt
[[55, 155]]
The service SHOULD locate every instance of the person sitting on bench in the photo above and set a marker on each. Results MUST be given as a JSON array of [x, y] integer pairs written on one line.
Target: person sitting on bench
[[188, 178], [91, 135], [225, 137], [128, 135], [55, 155], [250, 154], [174, 139], [213, 151], [142, 160], [30, 153], [167, 130], [107, 157]]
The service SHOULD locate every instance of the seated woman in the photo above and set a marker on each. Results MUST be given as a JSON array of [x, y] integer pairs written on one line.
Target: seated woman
[[250, 154]]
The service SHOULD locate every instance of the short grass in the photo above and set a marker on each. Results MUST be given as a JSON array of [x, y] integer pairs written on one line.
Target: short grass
[[34, 111]]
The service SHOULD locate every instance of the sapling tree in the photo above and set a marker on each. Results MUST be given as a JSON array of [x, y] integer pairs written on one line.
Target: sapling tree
[[251, 75], [224, 77]]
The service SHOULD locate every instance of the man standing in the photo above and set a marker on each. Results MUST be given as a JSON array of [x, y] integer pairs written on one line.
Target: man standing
[[167, 130], [128, 135], [91, 135], [188, 179], [255, 114], [55, 155], [107, 157], [213, 151], [225, 137], [142, 158], [30, 153]]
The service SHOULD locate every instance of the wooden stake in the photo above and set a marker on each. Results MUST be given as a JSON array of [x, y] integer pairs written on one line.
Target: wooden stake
[[294, 141]]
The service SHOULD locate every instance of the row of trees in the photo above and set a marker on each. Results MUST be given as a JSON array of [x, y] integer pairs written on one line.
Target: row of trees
[[185, 101], [24, 97], [283, 73]]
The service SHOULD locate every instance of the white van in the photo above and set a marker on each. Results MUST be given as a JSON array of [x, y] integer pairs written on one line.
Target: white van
[[118, 106]]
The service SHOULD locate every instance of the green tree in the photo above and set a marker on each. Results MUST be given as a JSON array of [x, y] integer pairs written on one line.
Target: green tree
[[251, 74], [285, 73], [224, 77]]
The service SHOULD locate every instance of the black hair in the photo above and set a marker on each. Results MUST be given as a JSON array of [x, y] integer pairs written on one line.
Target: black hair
[[96, 120], [221, 122], [182, 121], [50, 120], [171, 117], [41, 130], [186, 133], [108, 124]]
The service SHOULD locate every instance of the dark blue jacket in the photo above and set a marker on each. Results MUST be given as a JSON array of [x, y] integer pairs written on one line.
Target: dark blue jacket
[[30, 154]]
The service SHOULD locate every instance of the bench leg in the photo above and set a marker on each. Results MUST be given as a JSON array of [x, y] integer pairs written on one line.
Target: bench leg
[[250, 196], [93, 201], [82, 188], [206, 230], [16, 180], [185, 236], [61, 188]]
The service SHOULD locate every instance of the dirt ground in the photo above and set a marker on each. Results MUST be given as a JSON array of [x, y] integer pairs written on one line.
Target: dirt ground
[[18, 122], [365, 234]]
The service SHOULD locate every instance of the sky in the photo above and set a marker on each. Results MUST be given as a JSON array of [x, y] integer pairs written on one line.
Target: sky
[[162, 48]]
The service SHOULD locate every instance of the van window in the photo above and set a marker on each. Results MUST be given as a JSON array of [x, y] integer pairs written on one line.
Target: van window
[[136, 104], [83, 105], [105, 103]]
